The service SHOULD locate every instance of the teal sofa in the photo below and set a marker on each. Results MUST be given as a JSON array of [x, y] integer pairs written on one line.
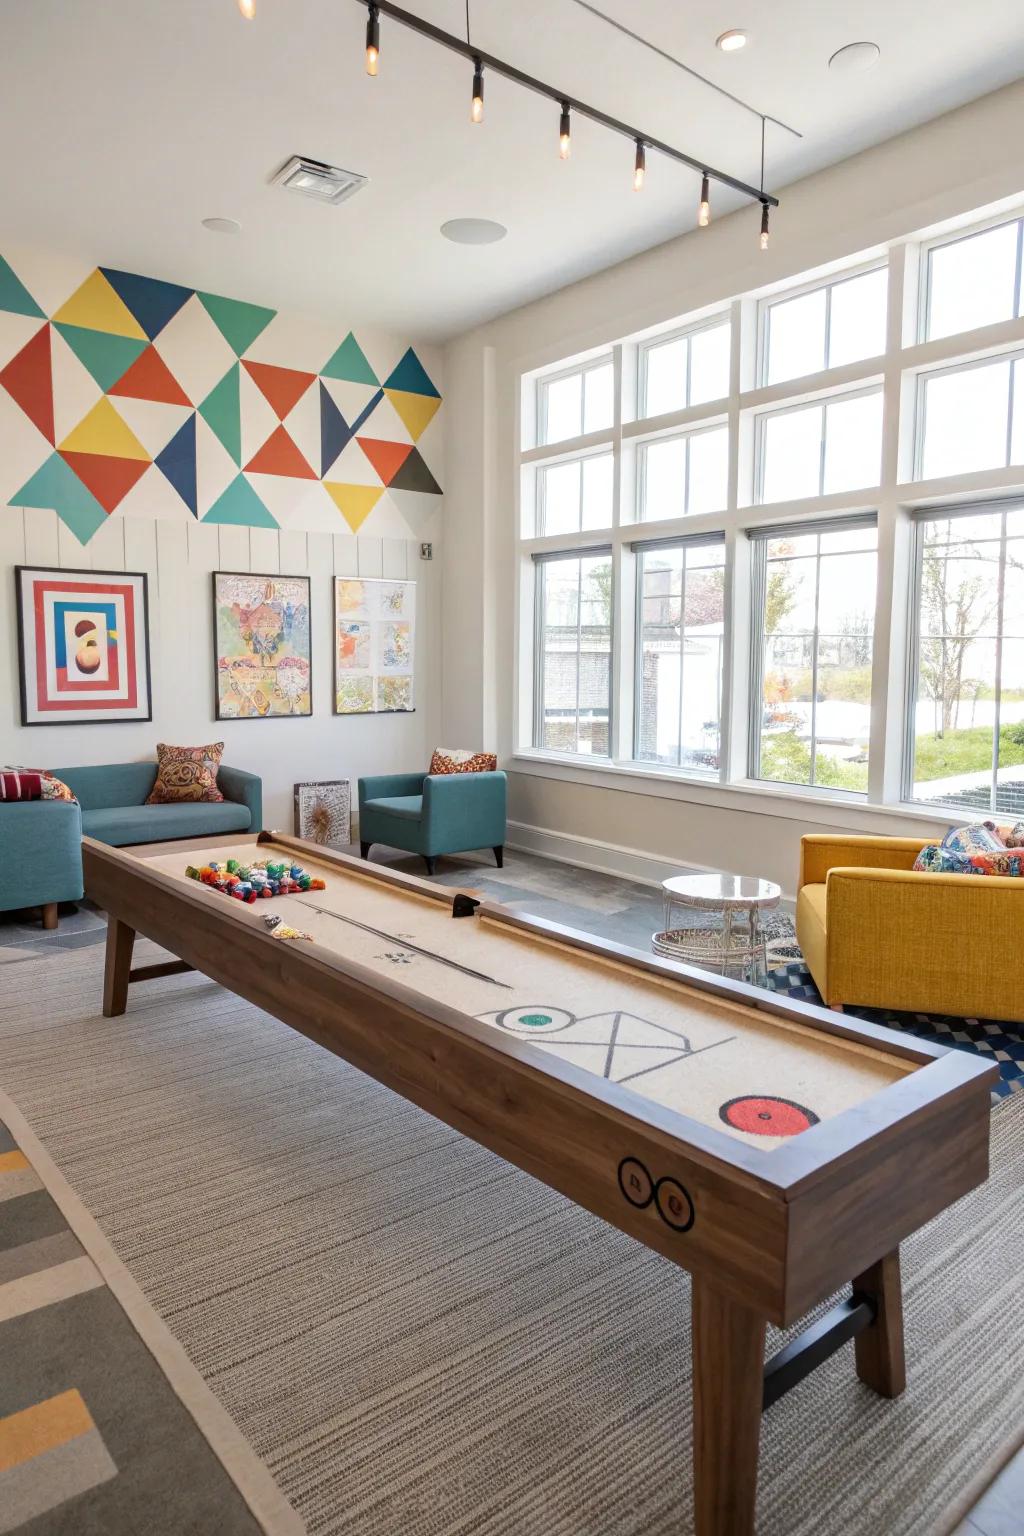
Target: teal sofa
[[434, 813], [42, 840]]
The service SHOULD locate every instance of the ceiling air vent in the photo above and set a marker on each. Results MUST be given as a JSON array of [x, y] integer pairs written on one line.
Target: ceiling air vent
[[325, 183]]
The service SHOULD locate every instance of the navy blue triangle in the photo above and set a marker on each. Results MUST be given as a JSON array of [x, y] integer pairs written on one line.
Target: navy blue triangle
[[367, 411], [152, 301], [178, 463], [334, 432]]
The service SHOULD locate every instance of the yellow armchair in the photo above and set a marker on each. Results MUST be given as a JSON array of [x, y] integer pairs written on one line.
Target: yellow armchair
[[879, 934]]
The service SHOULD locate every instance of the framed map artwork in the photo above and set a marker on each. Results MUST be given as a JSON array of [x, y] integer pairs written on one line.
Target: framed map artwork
[[261, 646], [374, 646]]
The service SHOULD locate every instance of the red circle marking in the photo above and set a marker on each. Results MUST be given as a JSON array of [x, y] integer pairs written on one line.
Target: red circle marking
[[765, 1115]]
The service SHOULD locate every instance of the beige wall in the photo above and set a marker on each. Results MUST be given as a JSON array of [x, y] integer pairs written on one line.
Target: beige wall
[[958, 163]]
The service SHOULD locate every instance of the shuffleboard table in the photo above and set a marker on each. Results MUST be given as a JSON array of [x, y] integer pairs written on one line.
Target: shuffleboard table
[[778, 1152]]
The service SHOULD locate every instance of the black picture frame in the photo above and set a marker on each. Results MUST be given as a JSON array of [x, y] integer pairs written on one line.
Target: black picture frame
[[75, 717], [304, 714]]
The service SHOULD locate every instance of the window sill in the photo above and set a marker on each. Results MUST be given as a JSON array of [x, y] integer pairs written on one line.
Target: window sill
[[828, 807]]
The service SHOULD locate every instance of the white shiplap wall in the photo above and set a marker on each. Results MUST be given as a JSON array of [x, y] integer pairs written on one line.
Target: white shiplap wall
[[178, 557]]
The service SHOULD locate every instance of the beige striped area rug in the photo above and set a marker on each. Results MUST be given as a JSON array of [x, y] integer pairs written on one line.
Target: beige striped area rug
[[418, 1339]]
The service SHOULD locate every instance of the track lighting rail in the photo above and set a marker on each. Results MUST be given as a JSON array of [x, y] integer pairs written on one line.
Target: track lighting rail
[[562, 99]]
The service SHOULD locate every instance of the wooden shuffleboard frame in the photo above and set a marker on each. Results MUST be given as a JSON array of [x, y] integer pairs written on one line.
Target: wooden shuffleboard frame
[[765, 1235]]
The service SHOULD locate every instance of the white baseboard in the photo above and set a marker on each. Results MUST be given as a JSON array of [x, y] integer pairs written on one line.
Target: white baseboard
[[605, 858]]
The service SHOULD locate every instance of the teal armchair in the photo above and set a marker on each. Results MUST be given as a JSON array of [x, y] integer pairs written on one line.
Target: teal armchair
[[431, 813]]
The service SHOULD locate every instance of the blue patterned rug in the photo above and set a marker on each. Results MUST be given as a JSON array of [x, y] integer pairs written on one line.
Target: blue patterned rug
[[994, 1039]]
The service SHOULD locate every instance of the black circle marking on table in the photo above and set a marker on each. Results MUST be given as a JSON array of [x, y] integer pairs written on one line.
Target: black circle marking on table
[[674, 1205], [636, 1183]]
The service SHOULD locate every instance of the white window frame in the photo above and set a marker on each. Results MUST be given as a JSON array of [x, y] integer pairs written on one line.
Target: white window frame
[[939, 242], [800, 291], [683, 333], [541, 494], [684, 436], [838, 397], [547, 379], [1016, 356]]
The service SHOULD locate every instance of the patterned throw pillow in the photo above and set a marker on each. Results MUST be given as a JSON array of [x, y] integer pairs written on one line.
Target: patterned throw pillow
[[937, 860], [459, 760], [186, 773], [973, 839], [1008, 861], [32, 784], [1010, 837]]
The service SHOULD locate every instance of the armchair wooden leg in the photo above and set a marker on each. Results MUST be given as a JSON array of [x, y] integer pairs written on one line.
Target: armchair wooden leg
[[499, 856], [49, 911], [431, 864], [364, 850]]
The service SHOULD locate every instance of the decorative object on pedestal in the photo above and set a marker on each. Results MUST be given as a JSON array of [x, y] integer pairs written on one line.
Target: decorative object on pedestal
[[728, 945], [262, 643], [83, 646], [374, 646], [323, 812]]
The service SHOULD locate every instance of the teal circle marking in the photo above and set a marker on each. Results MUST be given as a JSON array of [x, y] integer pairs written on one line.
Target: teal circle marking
[[535, 1020]]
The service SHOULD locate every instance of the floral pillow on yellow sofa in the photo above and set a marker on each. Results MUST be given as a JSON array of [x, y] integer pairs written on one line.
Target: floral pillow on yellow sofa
[[186, 773]]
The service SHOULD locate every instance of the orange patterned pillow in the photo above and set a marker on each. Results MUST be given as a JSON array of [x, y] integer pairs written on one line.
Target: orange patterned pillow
[[458, 760], [186, 773]]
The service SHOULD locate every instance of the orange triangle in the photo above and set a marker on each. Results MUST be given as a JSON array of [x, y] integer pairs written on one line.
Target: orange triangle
[[149, 378], [28, 379], [108, 478], [386, 458], [283, 387], [279, 456]]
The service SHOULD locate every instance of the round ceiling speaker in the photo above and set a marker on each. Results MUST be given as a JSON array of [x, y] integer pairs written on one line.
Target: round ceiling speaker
[[473, 231], [855, 58]]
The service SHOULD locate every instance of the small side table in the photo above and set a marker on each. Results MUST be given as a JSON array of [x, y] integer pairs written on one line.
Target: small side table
[[730, 944]]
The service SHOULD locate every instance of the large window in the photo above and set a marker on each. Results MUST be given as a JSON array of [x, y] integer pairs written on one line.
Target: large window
[[972, 418], [760, 540], [684, 475], [680, 638], [815, 450], [838, 322], [812, 722], [574, 644], [570, 404], [973, 280], [685, 370], [968, 715]]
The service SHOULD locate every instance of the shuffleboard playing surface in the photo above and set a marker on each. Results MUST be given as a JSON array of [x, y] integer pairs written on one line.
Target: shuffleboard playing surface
[[757, 1077]]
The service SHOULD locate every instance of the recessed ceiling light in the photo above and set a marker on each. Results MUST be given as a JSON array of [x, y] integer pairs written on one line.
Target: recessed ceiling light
[[473, 231], [854, 58], [729, 42], [222, 226]]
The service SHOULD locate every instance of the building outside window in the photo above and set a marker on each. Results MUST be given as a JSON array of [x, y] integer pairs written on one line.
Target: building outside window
[[574, 637], [680, 640]]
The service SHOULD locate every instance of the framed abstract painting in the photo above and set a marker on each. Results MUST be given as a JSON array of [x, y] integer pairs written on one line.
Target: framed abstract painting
[[83, 646], [374, 646], [261, 646]]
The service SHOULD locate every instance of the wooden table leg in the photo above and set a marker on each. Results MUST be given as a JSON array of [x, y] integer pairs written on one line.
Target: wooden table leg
[[728, 1388], [49, 911], [120, 943], [879, 1349]]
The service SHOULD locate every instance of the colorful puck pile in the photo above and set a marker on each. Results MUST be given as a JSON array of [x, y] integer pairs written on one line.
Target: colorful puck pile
[[248, 882]]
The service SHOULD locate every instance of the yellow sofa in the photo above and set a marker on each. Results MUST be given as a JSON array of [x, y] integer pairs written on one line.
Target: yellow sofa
[[876, 933]]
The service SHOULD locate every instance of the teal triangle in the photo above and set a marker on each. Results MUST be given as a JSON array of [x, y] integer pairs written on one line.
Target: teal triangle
[[56, 485], [349, 363], [14, 296], [238, 323], [107, 357], [411, 376], [222, 412], [240, 505]]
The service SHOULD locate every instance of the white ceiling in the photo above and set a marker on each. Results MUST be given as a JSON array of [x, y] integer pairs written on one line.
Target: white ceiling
[[126, 122]]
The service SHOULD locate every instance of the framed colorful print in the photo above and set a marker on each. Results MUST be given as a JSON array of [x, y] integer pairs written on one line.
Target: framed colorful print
[[374, 646], [261, 645], [83, 646], [323, 813]]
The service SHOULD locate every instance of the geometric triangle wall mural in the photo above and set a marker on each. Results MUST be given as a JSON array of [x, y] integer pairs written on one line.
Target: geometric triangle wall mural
[[141, 360]]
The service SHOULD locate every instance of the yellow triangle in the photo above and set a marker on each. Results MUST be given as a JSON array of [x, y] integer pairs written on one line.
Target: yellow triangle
[[103, 431], [96, 307], [354, 502], [416, 411]]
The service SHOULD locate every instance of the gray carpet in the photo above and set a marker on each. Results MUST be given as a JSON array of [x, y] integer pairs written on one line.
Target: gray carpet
[[419, 1339]]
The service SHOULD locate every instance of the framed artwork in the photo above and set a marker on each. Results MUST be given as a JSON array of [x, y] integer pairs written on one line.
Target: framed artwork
[[83, 646], [323, 813], [374, 646], [262, 656]]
